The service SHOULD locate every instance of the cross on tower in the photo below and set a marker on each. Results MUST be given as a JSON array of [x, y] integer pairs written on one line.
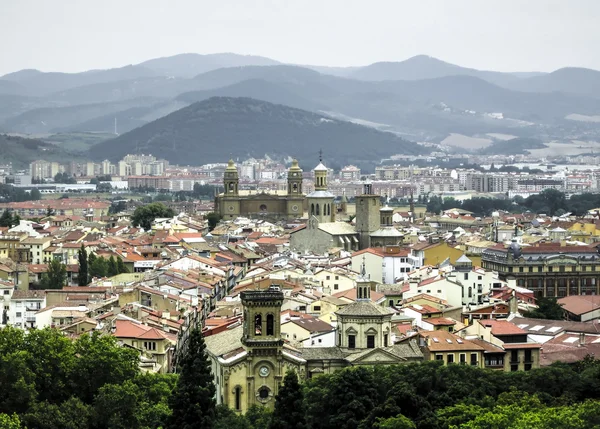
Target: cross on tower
[[320, 155]]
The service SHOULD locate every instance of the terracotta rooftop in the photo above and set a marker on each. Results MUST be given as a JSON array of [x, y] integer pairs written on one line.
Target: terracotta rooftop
[[502, 327], [580, 304]]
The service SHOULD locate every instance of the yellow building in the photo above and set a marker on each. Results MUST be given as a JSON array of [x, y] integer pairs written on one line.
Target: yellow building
[[249, 362], [435, 253]]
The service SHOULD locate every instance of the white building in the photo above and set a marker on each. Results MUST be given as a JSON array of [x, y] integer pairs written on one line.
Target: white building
[[23, 306]]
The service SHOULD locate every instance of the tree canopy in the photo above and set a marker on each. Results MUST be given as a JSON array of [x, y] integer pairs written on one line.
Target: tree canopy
[[144, 215]]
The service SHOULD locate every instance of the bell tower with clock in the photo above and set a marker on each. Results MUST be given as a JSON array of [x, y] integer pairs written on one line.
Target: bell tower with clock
[[261, 338], [230, 202], [295, 197]]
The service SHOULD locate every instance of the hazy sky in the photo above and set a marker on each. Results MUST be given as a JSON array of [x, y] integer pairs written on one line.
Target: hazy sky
[[506, 35]]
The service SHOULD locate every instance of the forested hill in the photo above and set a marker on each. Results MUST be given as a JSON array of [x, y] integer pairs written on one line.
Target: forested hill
[[22, 151], [220, 128]]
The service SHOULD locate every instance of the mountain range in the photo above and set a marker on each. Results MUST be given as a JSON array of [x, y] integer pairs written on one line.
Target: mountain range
[[220, 128], [421, 98]]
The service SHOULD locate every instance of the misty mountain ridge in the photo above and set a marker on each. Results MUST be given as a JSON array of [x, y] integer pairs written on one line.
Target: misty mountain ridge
[[219, 128]]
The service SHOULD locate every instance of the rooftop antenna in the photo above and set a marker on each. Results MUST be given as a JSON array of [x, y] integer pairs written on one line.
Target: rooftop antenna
[[116, 133]]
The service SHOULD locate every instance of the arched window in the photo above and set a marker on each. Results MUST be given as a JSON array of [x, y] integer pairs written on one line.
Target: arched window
[[238, 397], [318, 211], [295, 187], [258, 324], [359, 293], [231, 186], [312, 209], [270, 325]]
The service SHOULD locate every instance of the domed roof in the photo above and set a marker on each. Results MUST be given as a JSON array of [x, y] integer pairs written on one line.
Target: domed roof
[[231, 166], [389, 231], [386, 209], [515, 249], [295, 166]]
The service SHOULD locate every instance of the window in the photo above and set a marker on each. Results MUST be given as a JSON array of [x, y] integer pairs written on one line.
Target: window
[[270, 327], [263, 393], [463, 358], [258, 324], [370, 341], [148, 345], [19, 314], [470, 291], [385, 340], [351, 342], [337, 277], [238, 398], [531, 269], [315, 308], [439, 357], [328, 277], [474, 359], [335, 286], [466, 276], [550, 269], [6, 292], [450, 358]]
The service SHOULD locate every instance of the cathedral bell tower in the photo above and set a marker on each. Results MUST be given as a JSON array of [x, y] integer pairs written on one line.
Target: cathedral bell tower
[[295, 197], [367, 215], [320, 202], [231, 179], [262, 340], [229, 204]]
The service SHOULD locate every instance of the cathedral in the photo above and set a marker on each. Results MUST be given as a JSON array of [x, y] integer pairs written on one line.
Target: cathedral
[[273, 205], [373, 223], [249, 361]]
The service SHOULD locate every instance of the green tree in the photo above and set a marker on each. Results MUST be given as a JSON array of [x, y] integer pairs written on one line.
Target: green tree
[[116, 406], [226, 418], [10, 421], [6, 220], [288, 412], [121, 268], [548, 308], [259, 416], [83, 275], [398, 422], [100, 360], [50, 211], [193, 403], [143, 216], [112, 269], [213, 219], [16, 219], [98, 267], [55, 277], [35, 194], [70, 414]]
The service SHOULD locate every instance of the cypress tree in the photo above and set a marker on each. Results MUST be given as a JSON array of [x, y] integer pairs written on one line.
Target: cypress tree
[[6, 219], [193, 400], [288, 413], [112, 267], [83, 277]]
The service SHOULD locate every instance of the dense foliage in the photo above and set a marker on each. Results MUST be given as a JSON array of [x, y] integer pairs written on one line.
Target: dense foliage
[[10, 194], [9, 220], [548, 308], [144, 215], [550, 202], [55, 277], [52, 382]]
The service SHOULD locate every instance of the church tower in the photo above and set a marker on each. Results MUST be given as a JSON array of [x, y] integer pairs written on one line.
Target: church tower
[[262, 340], [295, 197], [230, 202], [320, 202], [367, 215]]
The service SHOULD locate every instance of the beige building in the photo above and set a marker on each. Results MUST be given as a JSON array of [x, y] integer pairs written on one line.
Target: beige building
[[286, 204], [249, 361]]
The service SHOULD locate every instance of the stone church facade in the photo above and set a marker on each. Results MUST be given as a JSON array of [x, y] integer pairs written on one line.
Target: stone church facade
[[250, 361], [272, 205]]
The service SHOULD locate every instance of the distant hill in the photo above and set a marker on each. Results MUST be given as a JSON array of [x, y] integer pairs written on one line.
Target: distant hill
[[257, 89], [11, 87], [52, 119], [22, 151], [126, 120], [425, 67], [513, 146], [40, 83], [569, 80], [217, 129], [189, 65]]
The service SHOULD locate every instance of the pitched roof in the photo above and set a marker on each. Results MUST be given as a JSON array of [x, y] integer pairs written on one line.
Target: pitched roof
[[502, 327], [447, 341]]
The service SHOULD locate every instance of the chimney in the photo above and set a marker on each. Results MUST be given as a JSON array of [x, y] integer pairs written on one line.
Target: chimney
[[514, 307], [581, 339]]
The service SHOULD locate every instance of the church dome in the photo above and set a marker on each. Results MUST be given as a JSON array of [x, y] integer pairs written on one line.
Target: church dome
[[231, 166], [295, 167]]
